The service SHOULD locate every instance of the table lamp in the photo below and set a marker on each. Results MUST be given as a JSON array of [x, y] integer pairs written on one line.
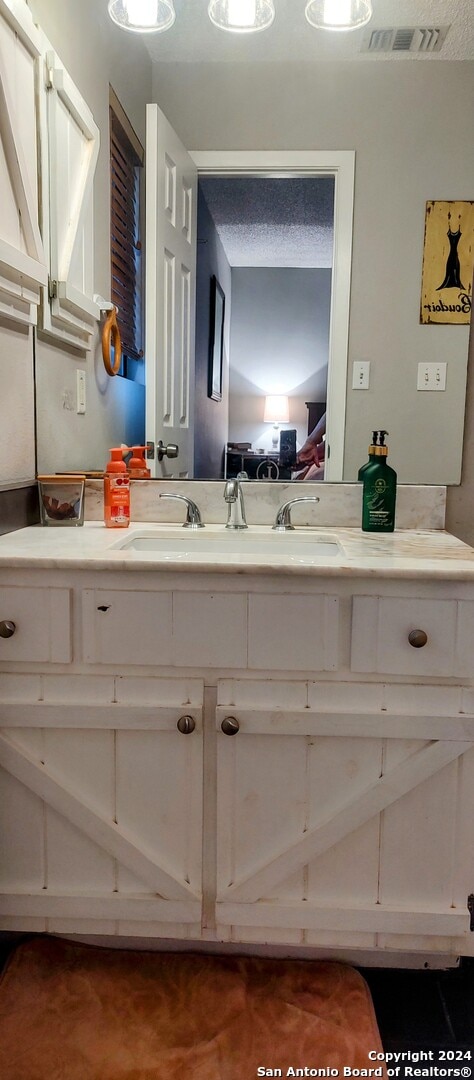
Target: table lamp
[[277, 412]]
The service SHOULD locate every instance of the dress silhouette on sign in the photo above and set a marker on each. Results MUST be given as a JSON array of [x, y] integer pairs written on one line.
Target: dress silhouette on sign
[[452, 278]]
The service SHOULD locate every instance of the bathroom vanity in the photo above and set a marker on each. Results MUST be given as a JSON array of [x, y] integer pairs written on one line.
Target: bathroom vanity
[[265, 748]]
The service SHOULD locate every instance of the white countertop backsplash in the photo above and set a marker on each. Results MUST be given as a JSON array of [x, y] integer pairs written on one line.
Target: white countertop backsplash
[[340, 505]]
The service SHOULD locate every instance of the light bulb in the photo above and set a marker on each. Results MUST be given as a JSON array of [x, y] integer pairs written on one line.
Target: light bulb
[[338, 14], [241, 16], [143, 16], [141, 12]]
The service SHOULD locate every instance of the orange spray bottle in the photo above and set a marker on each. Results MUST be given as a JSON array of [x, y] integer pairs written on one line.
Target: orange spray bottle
[[116, 492]]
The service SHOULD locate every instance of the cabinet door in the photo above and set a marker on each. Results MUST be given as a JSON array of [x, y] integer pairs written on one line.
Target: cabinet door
[[70, 150], [22, 259], [332, 829], [103, 792]]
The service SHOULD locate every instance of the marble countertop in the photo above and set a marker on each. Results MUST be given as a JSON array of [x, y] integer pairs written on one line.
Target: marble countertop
[[420, 554]]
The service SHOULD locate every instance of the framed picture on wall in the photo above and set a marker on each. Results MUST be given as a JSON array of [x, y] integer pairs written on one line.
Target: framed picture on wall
[[448, 261], [216, 340]]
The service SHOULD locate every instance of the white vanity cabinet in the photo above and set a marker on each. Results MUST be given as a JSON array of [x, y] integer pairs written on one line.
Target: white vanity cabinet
[[240, 758]]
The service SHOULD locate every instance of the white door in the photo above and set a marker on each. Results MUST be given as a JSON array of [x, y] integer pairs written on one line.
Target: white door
[[171, 215]]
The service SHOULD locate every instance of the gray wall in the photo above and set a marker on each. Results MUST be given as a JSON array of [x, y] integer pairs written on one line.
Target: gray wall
[[96, 53], [407, 122], [211, 417], [279, 345]]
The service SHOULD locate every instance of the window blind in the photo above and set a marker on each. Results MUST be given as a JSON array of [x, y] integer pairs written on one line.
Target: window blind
[[125, 243]]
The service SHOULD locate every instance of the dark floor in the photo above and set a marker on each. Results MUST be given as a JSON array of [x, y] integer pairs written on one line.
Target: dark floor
[[425, 1010], [416, 1010]]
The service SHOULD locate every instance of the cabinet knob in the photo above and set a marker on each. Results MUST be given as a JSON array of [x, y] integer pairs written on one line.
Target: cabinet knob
[[7, 628], [230, 726], [186, 725], [417, 638]]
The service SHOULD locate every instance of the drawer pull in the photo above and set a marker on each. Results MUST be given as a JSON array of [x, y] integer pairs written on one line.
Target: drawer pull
[[417, 638], [230, 726], [7, 628], [186, 725]]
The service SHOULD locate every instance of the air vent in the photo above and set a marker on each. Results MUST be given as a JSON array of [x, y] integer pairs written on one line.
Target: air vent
[[405, 39]]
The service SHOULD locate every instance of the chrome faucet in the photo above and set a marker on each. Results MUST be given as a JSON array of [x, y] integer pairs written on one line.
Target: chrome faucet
[[193, 516], [283, 518], [234, 498]]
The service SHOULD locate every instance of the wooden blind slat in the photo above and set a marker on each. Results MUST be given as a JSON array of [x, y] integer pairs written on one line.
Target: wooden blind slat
[[119, 268], [119, 167], [125, 257], [124, 247], [126, 178], [123, 195], [121, 228]]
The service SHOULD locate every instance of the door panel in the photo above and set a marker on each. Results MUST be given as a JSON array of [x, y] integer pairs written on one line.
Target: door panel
[[171, 215]]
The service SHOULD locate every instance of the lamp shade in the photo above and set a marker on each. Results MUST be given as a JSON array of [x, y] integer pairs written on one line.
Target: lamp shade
[[241, 16], [277, 409], [143, 16], [338, 14]]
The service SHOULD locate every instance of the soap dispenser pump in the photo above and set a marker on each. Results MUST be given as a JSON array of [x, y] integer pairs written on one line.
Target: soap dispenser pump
[[371, 453], [379, 491]]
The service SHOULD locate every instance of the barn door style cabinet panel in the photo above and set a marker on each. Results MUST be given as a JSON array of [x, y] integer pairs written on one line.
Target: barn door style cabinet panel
[[182, 757], [47, 226], [23, 264]]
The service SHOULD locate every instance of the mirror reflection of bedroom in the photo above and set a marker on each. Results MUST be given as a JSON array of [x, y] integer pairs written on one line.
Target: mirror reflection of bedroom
[[264, 269]]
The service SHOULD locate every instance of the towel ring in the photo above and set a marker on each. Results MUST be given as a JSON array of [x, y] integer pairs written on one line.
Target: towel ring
[[111, 335]]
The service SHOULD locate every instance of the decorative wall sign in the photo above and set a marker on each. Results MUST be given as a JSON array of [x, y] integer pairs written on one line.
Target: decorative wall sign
[[448, 261]]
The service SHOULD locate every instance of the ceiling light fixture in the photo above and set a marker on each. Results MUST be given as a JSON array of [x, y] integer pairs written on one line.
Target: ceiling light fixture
[[242, 16], [338, 14], [143, 16]]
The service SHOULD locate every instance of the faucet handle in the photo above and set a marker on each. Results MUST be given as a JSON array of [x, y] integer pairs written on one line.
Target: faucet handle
[[193, 514], [283, 518]]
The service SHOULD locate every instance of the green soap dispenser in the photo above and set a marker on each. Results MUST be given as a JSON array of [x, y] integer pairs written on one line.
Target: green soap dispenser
[[379, 491], [371, 452]]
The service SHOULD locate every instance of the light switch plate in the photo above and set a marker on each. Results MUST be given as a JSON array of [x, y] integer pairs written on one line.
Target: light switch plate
[[80, 391], [431, 377], [360, 374]]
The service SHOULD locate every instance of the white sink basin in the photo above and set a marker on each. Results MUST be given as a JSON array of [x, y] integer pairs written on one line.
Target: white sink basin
[[188, 542]]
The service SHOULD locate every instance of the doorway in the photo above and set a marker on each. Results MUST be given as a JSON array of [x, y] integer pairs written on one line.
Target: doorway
[[266, 244], [338, 165]]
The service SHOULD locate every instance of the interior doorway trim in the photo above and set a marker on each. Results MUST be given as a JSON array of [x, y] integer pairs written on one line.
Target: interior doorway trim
[[297, 163]]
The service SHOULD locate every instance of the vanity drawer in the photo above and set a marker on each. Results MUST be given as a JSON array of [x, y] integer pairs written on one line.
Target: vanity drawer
[[40, 624], [181, 629], [384, 636], [293, 633]]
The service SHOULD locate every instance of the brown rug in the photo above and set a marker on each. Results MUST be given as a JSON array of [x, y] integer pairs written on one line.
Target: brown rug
[[75, 1012]]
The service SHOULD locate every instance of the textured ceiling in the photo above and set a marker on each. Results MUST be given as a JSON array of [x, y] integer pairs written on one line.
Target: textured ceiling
[[271, 222], [290, 38]]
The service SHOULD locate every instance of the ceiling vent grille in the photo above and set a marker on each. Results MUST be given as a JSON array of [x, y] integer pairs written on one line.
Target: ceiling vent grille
[[405, 39]]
